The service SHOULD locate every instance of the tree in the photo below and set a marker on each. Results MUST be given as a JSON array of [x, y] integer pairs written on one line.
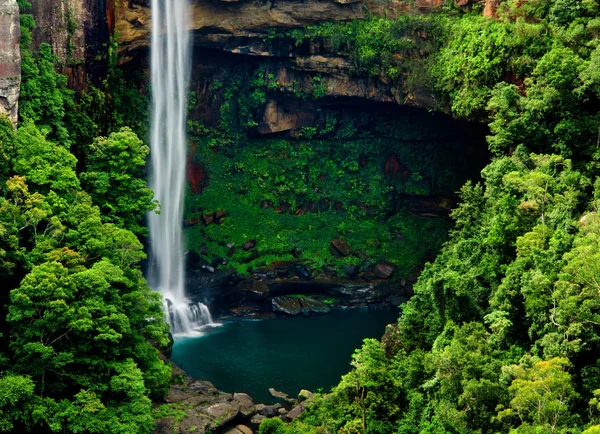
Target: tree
[[114, 176], [542, 393]]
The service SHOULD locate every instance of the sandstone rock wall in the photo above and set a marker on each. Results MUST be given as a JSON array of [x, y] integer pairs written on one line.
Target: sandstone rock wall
[[77, 31], [10, 59]]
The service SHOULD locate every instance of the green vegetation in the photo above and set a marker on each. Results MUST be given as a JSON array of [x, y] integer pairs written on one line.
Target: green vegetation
[[80, 329], [502, 333], [352, 175]]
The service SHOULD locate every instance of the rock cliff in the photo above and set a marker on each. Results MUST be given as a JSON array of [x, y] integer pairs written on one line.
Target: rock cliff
[[77, 30], [10, 59], [244, 28]]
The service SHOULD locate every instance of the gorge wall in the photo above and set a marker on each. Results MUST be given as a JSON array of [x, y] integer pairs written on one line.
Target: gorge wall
[[79, 32], [10, 59]]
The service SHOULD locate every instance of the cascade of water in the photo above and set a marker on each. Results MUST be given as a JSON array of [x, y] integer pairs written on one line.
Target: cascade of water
[[170, 67]]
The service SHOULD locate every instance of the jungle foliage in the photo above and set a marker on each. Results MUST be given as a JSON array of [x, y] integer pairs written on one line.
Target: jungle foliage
[[351, 174], [79, 326], [502, 333]]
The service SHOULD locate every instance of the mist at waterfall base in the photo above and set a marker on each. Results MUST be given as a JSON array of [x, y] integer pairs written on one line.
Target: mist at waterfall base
[[170, 69], [286, 353]]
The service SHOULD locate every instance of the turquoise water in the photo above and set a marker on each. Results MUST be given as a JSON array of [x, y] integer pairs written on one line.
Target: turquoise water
[[287, 353]]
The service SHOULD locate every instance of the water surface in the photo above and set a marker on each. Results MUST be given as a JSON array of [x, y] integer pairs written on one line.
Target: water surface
[[287, 353]]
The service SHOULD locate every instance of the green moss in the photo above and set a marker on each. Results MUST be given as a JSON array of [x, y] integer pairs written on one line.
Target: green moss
[[322, 192]]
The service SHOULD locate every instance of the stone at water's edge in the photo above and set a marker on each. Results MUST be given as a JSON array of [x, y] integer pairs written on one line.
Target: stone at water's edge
[[239, 429], [281, 395], [10, 59], [304, 395], [297, 306]]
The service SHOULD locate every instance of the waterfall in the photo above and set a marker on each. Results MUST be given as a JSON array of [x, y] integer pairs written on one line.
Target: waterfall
[[170, 68]]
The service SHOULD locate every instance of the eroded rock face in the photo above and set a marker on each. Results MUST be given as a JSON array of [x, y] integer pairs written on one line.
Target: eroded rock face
[[297, 306], [232, 25], [77, 31], [10, 59]]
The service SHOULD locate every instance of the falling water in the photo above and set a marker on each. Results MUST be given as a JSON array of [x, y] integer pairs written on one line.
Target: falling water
[[170, 66]]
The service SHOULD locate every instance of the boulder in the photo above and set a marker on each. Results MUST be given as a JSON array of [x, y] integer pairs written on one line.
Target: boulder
[[269, 411], [281, 395], [351, 270], [297, 306], [339, 247], [244, 403], [221, 413], [384, 270], [310, 305], [304, 395], [288, 305], [256, 420], [303, 271], [294, 413]]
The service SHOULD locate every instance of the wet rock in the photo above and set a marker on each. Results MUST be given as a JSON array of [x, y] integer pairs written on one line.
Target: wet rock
[[294, 413], [384, 270], [339, 247], [351, 270], [269, 411], [221, 413], [310, 305], [244, 403], [194, 423], [304, 395], [207, 268], [249, 245], [297, 306], [256, 420], [303, 272], [281, 395], [288, 305]]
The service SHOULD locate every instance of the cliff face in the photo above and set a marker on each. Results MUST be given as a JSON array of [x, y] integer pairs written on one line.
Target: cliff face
[[78, 32], [244, 28], [10, 59]]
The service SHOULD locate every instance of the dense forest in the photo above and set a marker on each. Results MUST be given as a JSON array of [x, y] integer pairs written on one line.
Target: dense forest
[[502, 332]]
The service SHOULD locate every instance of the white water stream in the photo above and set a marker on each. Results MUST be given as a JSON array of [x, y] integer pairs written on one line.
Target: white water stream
[[170, 69]]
